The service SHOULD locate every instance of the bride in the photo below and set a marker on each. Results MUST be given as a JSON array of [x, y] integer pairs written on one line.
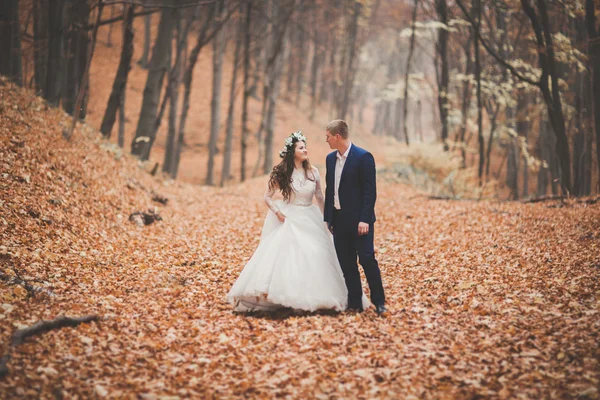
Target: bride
[[295, 264]]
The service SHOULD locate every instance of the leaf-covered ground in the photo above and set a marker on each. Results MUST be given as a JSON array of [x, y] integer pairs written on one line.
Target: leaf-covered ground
[[486, 299]]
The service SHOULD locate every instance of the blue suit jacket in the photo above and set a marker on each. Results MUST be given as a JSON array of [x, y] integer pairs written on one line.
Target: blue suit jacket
[[358, 190]]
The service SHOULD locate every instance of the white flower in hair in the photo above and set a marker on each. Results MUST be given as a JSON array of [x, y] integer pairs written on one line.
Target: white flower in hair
[[290, 140]]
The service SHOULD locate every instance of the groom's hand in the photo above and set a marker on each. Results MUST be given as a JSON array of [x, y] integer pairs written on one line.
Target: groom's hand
[[363, 228]]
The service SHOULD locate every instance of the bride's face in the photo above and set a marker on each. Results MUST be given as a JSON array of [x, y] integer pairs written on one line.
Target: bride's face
[[301, 153]]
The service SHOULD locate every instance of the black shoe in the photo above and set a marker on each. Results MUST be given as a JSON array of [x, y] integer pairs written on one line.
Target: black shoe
[[354, 309], [380, 309]]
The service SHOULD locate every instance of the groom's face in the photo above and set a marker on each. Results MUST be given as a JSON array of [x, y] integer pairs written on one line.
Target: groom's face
[[332, 140]]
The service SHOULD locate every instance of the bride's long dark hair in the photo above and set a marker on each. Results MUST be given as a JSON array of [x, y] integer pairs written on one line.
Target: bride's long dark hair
[[281, 176]]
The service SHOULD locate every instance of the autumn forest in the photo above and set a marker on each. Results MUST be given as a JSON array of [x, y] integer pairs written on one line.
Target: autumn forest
[[136, 142]]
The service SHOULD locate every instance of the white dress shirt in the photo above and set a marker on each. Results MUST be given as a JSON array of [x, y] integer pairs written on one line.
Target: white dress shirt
[[339, 167]]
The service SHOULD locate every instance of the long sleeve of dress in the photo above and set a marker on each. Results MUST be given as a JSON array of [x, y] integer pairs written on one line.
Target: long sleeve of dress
[[269, 200], [318, 191]]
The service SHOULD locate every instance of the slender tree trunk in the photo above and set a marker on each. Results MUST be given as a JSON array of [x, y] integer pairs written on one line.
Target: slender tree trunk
[[86, 74], [349, 78], [110, 28], [544, 154], [77, 44], [466, 103], [187, 81], [274, 77], [40, 40], [56, 33], [173, 92], [143, 61], [318, 54], [10, 42], [494, 115], [215, 105], [121, 138], [226, 171], [408, 62], [481, 140], [551, 91], [302, 58], [120, 82], [442, 11], [144, 135], [245, 130]]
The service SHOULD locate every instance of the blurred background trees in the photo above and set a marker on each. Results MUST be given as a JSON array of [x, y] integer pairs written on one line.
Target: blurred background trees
[[510, 88]]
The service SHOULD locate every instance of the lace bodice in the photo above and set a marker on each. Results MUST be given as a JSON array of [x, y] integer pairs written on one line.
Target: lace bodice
[[304, 190]]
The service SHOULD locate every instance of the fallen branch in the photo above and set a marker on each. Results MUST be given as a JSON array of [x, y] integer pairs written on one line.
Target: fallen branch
[[38, 328], [544, 198], [32, 290]]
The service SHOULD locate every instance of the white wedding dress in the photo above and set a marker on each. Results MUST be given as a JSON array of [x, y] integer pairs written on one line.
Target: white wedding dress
[[295, 264]]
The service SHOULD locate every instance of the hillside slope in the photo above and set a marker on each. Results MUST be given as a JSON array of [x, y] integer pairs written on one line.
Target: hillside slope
[[486, 299]]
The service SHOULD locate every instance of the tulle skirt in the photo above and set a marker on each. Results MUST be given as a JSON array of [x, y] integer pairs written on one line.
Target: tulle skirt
[[295, 265]]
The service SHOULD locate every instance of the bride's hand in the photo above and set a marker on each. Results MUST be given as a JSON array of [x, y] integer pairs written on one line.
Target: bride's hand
[[280, 216]]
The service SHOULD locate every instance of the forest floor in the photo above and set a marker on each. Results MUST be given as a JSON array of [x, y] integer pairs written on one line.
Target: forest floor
[[486, 299]]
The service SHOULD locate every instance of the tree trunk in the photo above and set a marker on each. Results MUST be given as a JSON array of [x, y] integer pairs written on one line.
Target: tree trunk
[[187, 84], [442, 11], [86, 74], [122, 120], [314, 69], [350, 69], [477, 13], [77, 43], [407, 72], [40, 40], [594, 66], [544, 154], [10, 44], [302, 58], [215, 105], [120, 82], [110, 28], [159, 63], [143, 61], [245, 130], [273, 75], [54, 71], [551, 92], [466, 103], [512, 166], [226, 171]]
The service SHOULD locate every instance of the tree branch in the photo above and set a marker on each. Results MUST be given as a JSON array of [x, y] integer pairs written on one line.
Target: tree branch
[[39, 328], [492, 53]]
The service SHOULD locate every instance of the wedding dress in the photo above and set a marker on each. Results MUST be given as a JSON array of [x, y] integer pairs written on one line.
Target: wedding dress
[[295, 264]]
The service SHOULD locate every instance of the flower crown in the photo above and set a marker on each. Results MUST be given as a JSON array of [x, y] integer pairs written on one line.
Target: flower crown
[[290, 140]]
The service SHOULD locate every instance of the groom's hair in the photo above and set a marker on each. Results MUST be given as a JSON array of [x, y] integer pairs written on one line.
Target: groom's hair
[[338, 127]]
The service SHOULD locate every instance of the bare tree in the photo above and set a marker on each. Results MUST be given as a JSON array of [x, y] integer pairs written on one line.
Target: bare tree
[[219, 43], [245, 131], [120, 82], [594, 64], [144, 135], [225, 174], [10, 44], [54, 70]]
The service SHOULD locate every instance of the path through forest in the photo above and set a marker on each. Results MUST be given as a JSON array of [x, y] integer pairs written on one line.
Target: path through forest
[[486, 298]]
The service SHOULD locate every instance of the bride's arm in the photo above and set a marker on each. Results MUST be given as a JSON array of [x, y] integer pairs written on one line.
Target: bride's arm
[[269, 202], [318, 191]]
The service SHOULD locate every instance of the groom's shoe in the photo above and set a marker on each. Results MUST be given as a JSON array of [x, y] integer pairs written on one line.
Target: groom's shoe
[[354, 310], [380, 309]]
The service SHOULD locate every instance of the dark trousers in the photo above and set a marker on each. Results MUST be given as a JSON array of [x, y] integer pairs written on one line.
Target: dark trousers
[[348, 244]]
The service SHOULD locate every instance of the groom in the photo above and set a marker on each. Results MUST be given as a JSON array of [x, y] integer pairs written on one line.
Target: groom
[[350, 215]]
